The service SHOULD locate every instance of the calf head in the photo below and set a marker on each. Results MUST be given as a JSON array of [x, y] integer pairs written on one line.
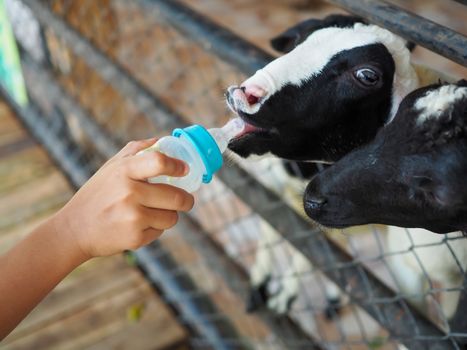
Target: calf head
[[413, 174], [338, 82]]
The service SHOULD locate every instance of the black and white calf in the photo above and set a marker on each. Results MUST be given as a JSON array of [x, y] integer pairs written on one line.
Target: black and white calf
[[339, 84], [412, 175]]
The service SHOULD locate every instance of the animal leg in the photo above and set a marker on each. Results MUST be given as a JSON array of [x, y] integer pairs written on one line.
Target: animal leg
[[260, 273], [282, 301], [334, 301]]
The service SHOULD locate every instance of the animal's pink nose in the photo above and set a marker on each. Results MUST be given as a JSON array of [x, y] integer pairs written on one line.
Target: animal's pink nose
[[253, 93]]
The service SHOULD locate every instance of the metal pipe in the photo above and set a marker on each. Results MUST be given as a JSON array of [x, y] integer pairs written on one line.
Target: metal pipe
[[412, 27], [463, 2], [211, 36]]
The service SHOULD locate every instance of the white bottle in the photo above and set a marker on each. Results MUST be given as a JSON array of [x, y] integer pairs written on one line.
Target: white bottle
[[201, 149]]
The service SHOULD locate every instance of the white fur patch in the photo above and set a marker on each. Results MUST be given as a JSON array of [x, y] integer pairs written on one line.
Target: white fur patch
[[437, 101], [310, 57]]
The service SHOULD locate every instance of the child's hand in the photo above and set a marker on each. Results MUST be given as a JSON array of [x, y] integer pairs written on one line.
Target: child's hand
[[117, 209]]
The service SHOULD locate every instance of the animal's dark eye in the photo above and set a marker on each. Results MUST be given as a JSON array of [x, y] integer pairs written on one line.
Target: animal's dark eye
[[367, 76]]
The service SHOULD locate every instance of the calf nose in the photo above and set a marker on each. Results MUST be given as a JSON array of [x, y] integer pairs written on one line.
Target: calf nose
[[245, 98], [314, 203], [253, 93], [314, 199]]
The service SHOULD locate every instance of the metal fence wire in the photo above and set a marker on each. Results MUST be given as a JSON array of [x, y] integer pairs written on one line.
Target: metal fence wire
[[101, 73]]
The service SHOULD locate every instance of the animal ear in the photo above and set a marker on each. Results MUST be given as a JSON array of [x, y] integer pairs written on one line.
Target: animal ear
[[410, 45], [288, 40], [434, 191]]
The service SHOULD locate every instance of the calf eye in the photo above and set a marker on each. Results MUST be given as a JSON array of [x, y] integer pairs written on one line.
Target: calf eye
[[367, 76]]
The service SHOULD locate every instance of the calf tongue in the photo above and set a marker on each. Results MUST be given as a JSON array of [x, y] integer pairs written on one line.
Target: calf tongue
[[238, 127], [249, 128]]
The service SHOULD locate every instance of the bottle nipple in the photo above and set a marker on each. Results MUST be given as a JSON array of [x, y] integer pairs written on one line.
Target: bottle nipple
[[223, 135], [233, 128]]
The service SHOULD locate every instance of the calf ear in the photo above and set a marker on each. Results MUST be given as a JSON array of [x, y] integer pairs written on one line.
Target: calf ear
[[410, 45], [288, 40]]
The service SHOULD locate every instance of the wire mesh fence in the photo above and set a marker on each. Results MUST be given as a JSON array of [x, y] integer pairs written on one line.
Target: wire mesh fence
[[102, 73]]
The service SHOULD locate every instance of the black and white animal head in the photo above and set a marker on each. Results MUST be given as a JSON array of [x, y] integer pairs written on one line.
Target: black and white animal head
[[413, 174], [339, 81]]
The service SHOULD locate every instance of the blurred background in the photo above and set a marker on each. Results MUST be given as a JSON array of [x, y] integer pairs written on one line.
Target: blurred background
[[80, 78]]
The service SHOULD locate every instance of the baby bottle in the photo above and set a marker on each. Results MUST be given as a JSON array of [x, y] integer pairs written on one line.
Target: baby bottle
[[201, 149]]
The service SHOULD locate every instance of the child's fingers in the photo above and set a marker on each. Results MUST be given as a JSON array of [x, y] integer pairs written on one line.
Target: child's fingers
[[164, 197], [159, 219], [150, 235], [152, 164], [130, 149], [134, 147]]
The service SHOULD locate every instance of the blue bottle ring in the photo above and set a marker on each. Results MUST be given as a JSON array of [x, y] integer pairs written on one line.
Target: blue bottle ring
[[206, 147]]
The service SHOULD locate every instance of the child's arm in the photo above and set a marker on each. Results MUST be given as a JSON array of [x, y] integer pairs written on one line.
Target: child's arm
[[114, 211]]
